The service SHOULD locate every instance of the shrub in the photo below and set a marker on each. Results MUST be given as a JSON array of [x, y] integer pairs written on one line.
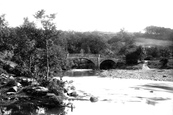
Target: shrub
[[164, 62], [133, 57]]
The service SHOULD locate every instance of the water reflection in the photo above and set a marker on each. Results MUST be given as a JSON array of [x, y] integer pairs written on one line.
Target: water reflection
[[81, 72]]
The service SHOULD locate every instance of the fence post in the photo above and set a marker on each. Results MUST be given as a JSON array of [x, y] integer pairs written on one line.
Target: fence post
[[67, 55]]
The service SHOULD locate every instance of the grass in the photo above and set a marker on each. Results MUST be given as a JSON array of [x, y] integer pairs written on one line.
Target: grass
[[153, 42]]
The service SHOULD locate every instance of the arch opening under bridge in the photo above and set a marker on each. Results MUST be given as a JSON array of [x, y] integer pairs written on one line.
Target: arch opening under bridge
[[107, 64]]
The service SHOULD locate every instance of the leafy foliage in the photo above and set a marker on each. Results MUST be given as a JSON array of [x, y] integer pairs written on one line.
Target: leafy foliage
[[87, 41], [33, 47], [158, 32], [122, 43], [135, 56]]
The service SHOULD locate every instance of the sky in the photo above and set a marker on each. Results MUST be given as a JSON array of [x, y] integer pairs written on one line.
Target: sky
[[93, 15]]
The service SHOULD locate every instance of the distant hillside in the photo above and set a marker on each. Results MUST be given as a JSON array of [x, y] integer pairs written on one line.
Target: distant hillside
[[153, 42], [144, 41], [105, 35]]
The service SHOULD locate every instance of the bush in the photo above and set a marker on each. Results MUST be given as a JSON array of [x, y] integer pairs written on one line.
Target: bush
[[157, 52], [132, 58], [2, 71], [164, 62], [17, 71], [121, 65]]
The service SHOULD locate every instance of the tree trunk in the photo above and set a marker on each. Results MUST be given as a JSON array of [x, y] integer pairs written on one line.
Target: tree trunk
[[35, 71], [30, 61], [47, 60]]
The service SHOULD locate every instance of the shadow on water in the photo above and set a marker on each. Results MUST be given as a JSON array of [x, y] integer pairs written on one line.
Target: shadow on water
[[157, 87]]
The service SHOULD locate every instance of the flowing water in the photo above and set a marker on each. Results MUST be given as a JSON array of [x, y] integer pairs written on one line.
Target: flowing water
[[122, 96]]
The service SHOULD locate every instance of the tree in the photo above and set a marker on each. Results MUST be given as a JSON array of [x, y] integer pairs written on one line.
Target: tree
[[28, 24], [171, 36], [5, 37], [135, 56], [3, 28], [74, 42], [158, 32], [50, 35], [153, 52], [30, 31], [92, 43], [3, 22], [122, 43]]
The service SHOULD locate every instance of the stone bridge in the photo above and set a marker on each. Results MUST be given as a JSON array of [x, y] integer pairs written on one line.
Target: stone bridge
[[96, 59]]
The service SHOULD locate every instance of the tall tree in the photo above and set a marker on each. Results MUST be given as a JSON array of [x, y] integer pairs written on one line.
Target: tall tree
[[49, 28], [5, 33]]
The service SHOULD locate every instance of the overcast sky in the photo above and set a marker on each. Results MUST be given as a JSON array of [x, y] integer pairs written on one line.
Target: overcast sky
[[94, 15]]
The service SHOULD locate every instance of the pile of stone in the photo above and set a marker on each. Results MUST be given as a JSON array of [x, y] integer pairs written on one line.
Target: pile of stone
[[150, 74]]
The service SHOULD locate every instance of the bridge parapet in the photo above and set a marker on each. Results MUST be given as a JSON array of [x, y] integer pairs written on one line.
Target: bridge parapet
[[83, 55]]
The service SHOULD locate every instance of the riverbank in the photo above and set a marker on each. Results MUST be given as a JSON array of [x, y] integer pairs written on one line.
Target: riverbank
[[151, 74]]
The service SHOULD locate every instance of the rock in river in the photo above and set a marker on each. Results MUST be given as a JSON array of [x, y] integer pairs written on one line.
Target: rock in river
[[93, 99]]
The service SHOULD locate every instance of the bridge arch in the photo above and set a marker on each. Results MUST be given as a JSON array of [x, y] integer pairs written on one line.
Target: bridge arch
[[98, 61], [107, 64]]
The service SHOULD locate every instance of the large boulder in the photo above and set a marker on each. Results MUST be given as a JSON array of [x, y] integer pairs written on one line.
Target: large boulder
[[35, 91], [72, 94], [93, 99]]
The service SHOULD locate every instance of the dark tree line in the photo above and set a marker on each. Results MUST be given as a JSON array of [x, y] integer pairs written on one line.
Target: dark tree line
[[160, 33]]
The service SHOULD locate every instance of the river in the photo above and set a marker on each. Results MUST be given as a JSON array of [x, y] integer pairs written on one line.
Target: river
[[122, 96]]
